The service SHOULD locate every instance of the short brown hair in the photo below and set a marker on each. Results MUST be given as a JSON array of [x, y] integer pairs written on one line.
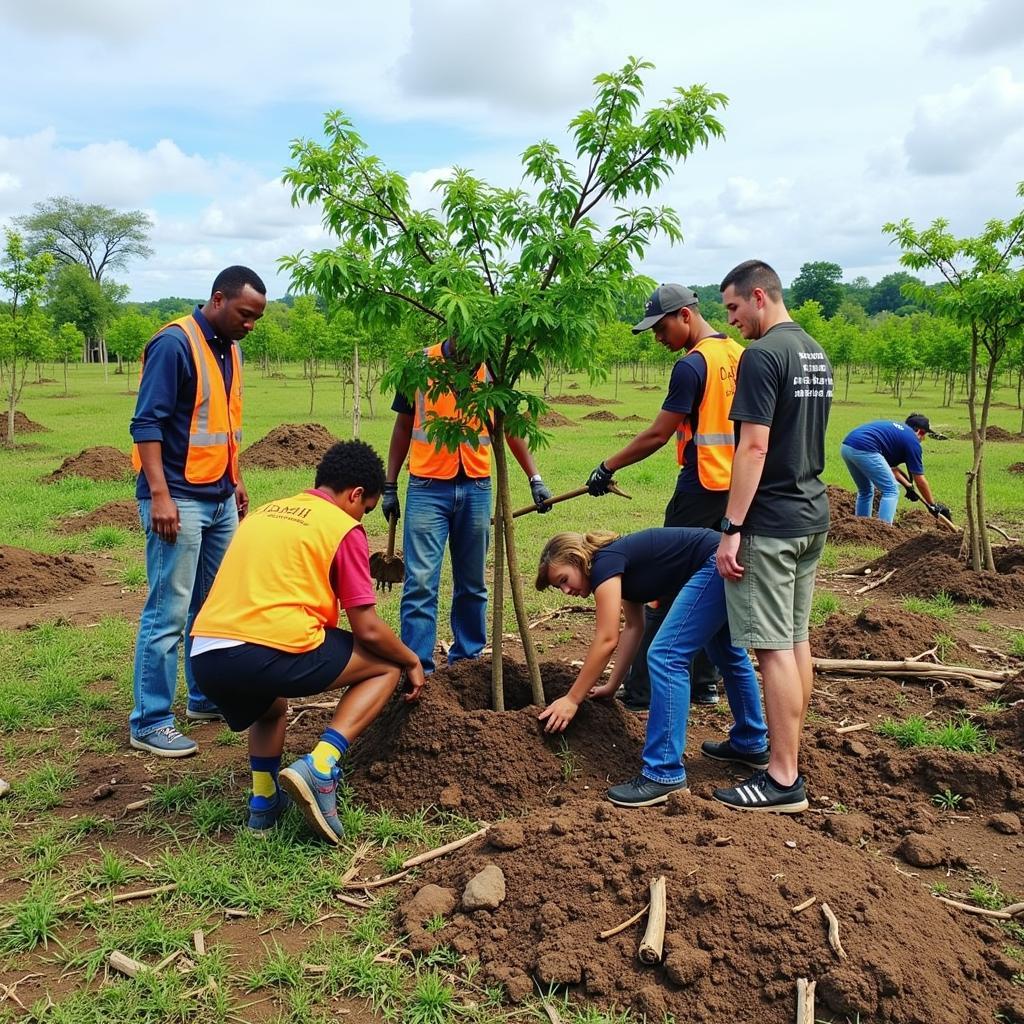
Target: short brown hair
[[753, 274]]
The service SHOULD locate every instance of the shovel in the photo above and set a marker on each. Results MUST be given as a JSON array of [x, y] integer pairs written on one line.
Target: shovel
[[946, 524], [387, 569], [613, 488]]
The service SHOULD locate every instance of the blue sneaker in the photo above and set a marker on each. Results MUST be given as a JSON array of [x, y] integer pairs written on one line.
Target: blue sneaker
[[165, 742], [315, 795], [262, 819], [203, 713]]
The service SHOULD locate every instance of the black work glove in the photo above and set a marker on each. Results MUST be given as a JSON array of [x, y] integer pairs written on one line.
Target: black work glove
[[541, 493], [389, 502], [912, 495], [599, 481], [939, 509]]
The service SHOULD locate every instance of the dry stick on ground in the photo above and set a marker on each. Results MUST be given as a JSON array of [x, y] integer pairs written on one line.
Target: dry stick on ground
[[199, 942], [842, 730], [1006, 914], [625, 924], [422, 858], [653, 943], [358, 854], [932, 653], [123, 897], [876, 583], [1002, 533], [805, 1001], [124, 964], [168, 960], [833, 931], [376, 883], [866, 666], [136, 806], [552, 1013], [803, 906]]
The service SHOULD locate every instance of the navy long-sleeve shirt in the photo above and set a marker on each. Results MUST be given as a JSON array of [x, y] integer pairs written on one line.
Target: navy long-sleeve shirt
[[167, 398]]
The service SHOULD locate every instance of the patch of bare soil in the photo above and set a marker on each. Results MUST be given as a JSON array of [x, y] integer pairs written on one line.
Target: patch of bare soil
[[23, 425], [289, 446], [99, 463], [1017, 467], [876, 632], [553, 418], [581, 400], [602, 415], [27, 577], [123, 514], [634, 418]]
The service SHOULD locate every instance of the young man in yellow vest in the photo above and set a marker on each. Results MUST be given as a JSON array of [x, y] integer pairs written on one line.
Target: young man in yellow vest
[[187, 430], [448, 502], [269, 631], [696, 410]]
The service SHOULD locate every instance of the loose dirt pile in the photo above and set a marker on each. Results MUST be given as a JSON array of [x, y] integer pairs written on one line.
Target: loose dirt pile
[[848, 528], [573, 865], [633, 418], [581, 400], [28, 577], [1017, 467], [124, 514], [289, 446], [993, 433], [602, 415], [553, 418], [649, 387], [23, 425], [878, 633], [99, 463]]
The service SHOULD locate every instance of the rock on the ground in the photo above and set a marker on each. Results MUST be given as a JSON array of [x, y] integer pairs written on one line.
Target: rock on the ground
[[485, 890], [921, 851], [506, 835], [429, 902], [855, 748], [1008, 823], [451, 797]]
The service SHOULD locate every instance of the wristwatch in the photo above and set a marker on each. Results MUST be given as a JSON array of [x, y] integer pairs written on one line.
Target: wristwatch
[[729, 527]]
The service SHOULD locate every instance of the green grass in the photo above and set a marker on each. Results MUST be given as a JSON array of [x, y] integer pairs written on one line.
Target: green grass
[[941, 606], [917, 731], [836, 555], [568, 759], [1017, 645], [823, 606]]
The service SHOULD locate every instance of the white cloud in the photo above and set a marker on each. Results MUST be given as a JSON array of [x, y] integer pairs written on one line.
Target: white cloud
[[956, 130], [745, 196], [110, 19], [993, 26]]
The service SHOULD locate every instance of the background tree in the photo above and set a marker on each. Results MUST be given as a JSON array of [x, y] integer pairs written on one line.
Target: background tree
[[74, 297], [128, 335], [268, 341], [516, 276], [67, 345], [22, 325], [888, 295], [96, 237], [820, 282], [984, 293], [310, 339]]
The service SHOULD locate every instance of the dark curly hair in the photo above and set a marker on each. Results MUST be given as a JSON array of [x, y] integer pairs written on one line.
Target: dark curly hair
[[351, 464]]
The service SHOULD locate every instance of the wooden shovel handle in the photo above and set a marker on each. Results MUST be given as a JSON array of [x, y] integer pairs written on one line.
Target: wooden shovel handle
[[579, 492], [392, 523]]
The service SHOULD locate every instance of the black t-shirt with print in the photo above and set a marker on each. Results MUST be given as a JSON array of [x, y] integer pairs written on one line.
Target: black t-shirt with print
[[654, 563], [784, 381]]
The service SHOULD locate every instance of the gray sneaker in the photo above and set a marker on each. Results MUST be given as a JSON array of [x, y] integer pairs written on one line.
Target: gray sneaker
[[315, 795], [165, 742], [207, 714], [643, 792]]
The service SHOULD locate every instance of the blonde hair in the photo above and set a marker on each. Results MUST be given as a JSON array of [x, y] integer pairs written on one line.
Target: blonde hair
[[575, 549]]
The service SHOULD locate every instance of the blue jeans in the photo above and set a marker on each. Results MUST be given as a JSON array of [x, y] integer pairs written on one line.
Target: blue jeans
[[697, 619], [870, 470], [456, 512], [180, 576]]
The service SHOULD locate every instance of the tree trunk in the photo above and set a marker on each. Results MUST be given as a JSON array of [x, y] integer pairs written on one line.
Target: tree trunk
[[312, 387], [65, 376], [518, 600], [356, 391], [10, 413], [104, 359], [498, 605]]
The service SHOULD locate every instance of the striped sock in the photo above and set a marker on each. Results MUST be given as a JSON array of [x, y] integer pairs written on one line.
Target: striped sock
[[264, 781], [328, 752]]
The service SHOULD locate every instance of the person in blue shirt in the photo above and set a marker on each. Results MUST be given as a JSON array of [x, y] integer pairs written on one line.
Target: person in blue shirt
[[187, 429], [874, 453], [676, 566]]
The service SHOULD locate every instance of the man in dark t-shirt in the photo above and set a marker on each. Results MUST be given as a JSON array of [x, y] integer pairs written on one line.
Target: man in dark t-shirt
[[776, 520]]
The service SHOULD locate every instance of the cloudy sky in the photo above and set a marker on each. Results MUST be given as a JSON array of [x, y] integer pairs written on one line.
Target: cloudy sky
[[841, 116]]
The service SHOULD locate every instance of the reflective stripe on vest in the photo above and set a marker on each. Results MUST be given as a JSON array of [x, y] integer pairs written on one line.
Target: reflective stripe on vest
[[429, 459], [716, 442], [211, 452]]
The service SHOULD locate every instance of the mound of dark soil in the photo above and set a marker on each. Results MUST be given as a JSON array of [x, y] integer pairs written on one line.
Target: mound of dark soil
[[289, 446], [124, 514], [28, 577], [733, 946], [581, 400], [553, 418], [634, 418], [649, 387], [993, 433], [848, 528], [1017, 467], [23, 425], [602, 415], [449, 749], [878, 633], [99, 463]]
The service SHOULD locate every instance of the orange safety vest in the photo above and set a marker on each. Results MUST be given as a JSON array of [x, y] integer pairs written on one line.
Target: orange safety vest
[[431, 460], [215, 434], [716, 442], [284, 601]]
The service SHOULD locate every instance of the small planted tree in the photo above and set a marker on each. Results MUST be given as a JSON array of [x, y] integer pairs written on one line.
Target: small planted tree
[[516, 276], [23, 328], [128, 335], [984, 293], [67, 345]]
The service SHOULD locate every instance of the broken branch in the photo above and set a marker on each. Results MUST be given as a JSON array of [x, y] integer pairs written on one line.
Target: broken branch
[[805, 1001], [653, 943], [1006, 914], [124, 964], [625, 924], [833, 931], [842, 730], [422, 858], [803, 906], [876, 583]]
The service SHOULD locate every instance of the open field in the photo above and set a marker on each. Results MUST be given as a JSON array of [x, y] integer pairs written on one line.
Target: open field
[[923, 801]]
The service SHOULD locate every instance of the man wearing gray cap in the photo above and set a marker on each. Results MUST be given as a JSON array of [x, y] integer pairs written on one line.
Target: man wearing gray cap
[[696, 410]]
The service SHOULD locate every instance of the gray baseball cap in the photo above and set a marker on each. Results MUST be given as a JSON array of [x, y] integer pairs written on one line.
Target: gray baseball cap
[[666, 298]]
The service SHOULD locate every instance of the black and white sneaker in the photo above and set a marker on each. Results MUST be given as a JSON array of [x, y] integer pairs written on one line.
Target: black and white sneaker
[[761, 793], [643, 792], [723, 750]]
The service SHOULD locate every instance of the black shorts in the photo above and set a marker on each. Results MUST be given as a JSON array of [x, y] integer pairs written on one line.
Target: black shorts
[[244, 681]]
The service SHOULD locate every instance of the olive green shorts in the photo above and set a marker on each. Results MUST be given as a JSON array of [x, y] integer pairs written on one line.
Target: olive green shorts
[[770, 606]]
